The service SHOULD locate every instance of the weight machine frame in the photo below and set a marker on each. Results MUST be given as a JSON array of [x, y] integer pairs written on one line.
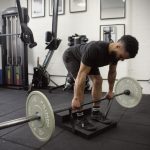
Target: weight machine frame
[[25, 50], [52, 45]]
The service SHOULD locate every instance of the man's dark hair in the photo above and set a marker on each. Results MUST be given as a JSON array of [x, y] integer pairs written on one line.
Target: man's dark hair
[[131, 45]]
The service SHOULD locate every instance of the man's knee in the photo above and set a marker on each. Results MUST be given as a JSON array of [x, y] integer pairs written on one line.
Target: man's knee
[[97, 80], [66, 56]]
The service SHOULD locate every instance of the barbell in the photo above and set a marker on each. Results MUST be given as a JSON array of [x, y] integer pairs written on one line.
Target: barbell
[[40, 115]]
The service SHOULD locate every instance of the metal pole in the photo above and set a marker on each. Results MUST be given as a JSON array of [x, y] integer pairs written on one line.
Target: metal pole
[[126, 92], [54, 33], [108, 108], [18, 121], [7, 41], [20, 12], [55, 18], [1, 35], [47, 59], [103, 99], [11, 41]]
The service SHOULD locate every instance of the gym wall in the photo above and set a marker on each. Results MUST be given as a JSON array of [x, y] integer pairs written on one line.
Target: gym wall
[[139, 67], [82, 23], [137, 23]]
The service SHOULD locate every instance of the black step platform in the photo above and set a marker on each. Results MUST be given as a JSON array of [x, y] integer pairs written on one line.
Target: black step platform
[[63, 120]]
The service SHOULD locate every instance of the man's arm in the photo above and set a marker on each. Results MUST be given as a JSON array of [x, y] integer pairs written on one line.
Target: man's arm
[[80, 85], [111, 76]]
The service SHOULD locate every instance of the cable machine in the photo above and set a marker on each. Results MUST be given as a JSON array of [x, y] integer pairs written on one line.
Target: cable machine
[[15, 38]]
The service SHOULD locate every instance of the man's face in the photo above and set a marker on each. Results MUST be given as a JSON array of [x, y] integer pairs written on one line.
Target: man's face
[[121, 53]]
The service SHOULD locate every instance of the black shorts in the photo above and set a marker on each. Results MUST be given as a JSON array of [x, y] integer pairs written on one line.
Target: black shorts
[[72, 64]]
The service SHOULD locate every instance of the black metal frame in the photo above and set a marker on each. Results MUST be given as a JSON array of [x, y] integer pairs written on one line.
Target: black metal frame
[[115, 17], [40, 73], [77, 11], [58, 13], [54, 34], [25, 64]]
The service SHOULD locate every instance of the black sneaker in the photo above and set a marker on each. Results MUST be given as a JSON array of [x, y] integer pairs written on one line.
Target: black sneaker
[[85, 124], [100, 117]]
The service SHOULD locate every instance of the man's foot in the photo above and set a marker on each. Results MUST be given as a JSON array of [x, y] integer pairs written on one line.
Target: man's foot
[[85, 124], [98, 116]]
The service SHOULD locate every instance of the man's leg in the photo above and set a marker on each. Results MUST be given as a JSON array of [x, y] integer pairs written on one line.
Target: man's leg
[[96, 88], [97, 80], [73, 65]]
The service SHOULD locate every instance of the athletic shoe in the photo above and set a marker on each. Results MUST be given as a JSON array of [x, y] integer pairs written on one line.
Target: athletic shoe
[[100, 117], [85, 124]]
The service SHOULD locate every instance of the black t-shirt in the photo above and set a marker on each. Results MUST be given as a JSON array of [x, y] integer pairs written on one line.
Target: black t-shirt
[[93, 54]]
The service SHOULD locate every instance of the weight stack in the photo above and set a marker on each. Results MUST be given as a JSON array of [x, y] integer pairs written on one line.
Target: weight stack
[[14, 51]]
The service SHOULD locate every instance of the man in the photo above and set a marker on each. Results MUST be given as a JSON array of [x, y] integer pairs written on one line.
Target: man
[[84, 60]]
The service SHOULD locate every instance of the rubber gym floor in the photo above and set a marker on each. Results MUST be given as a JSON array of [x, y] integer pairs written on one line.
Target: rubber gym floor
[[131, 133]]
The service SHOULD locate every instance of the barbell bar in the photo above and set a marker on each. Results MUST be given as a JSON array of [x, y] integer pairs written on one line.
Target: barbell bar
[[40, 115], [126, 92], [18, 121]]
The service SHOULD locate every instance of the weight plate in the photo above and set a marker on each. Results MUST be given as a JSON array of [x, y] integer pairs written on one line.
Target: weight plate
[[37, 103], [135, 89]]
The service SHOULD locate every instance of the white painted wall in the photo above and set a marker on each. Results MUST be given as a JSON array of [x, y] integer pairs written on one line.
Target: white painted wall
[[140, 27], [82, 23], [5, 4], [137, 23], [139, 67]]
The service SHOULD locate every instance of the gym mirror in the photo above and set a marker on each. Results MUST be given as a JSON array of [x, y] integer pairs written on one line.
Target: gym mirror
[[112, 9]]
